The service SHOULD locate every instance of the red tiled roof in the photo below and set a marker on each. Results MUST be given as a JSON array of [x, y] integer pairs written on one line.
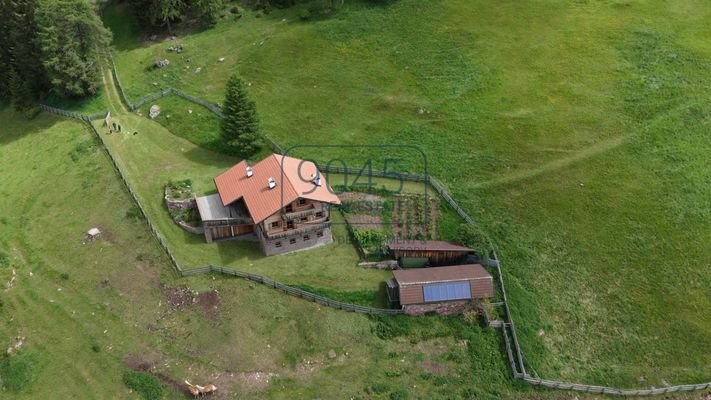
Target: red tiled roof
[[293, 181], [440, 274], [426, 245]]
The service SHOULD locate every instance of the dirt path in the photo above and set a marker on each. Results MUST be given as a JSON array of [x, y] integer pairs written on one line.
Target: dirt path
[[589, 152], [597, 148], [112, 95]]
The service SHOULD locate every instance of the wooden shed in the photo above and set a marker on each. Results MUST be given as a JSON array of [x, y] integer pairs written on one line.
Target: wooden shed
[[223, 222], [438, 285], [436, 252]]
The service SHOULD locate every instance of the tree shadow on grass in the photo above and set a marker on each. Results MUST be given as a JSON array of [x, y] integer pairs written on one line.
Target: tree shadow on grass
[[233, 250], [16, 126], [208, 157]]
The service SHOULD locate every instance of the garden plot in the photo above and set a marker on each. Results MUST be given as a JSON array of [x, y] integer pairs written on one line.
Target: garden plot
[[414, 216]]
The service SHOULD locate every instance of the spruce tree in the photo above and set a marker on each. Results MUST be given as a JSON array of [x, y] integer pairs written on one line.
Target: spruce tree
[[72, 39], [22, 94], [240, 126]]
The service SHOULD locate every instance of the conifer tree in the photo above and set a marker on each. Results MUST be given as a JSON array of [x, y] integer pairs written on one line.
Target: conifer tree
[[240, 126], [72, 37]]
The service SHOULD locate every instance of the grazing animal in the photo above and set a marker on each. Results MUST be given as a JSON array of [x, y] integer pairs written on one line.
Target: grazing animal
[[197, 390], [193, 390], [209, 388]]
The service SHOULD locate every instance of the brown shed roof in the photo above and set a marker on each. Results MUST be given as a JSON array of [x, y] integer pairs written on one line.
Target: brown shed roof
[[261, 201], [440, 274], [427, 245]]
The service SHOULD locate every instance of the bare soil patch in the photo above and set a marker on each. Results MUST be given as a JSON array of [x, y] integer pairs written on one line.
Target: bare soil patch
[[434, 367], [182, 297], [365, 222], [254, 381]]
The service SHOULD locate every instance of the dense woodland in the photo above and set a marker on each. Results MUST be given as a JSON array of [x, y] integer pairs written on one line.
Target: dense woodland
[[55, 46], [49, 46]]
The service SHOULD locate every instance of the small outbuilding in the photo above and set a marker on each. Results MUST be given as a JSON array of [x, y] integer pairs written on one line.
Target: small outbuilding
[[223, 222], [440, 289], [428, 252]]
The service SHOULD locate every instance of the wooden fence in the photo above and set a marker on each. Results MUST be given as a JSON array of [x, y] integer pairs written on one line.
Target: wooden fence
[[293, 291], [511, 343], [72, 114], [214, 108]]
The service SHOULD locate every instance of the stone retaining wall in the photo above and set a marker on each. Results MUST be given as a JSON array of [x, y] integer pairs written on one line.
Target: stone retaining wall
[[177, 205], [443, 308]]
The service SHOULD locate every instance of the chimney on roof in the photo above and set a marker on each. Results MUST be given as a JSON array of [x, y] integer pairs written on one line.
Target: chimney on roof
[[250, 172], [316, 178], [271, 182]]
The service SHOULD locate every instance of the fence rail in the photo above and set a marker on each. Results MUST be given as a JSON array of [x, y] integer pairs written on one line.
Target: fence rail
[[293, 290], [512, 346], [214, 108], [72, 114]]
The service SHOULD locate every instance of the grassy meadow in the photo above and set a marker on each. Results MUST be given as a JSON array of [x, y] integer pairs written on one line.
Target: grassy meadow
[[576, 133], [80, 313]]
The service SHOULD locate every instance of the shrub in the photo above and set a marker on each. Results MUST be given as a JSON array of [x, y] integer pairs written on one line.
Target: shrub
[[472, 236], [134, 213], [305, 14], [4, 260], [390, 327], [95, 348], [371, 241], [18, 371], [399, 394], [378, 388], [144, 383], [64, 276]]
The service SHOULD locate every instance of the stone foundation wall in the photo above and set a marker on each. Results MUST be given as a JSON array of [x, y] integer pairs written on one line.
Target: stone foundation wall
[[270, 247], [177, 205], [385, 264], [443, 308], [173, 204]]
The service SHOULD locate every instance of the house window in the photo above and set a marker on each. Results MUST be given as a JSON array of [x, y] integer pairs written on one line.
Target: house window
[[319, 234], [302, 202], [304, 219], [306, 237], [289, 208], [319, 214], [292, 241], [289, 224], [275, 224], [277, 244]]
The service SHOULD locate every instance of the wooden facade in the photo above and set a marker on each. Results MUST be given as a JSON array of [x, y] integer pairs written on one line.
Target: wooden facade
[[438, 253], [300, 224], [408, 287], [224, 222]]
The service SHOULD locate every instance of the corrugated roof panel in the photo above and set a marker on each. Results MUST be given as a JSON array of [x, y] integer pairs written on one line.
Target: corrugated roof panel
[[440, 274], [427, 245]]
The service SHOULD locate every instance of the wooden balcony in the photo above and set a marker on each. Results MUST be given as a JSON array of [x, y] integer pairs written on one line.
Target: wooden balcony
[[299, 229], [304, 212]]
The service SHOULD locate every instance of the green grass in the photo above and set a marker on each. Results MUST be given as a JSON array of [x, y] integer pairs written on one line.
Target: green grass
[[88, 311], [201, 127], [522, 103], [155, 157], [144, 383], [88, 105]]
